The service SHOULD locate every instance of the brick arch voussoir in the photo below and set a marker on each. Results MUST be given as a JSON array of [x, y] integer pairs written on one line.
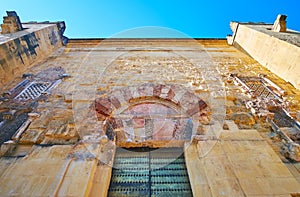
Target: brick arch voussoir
[[171, 95], [178, 95]]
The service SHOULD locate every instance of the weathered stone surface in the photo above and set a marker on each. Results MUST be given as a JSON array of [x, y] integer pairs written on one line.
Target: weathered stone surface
[[280, 23], [189, 101], [238, 165], [271, 48], [145, 90], [101, 180], [115, 101], [157, 90], [142, 107], [64, 133], [240, 134], [231, 125], [7, 148], [103, 106], [243, 120], [45, 167], [32, 136], [22, 50], [11, 23], [196, 107], [77, 187]]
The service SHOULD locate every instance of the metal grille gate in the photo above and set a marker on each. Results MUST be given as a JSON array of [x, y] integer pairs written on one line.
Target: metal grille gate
[[34, 90], [259, 88], [149, 172]]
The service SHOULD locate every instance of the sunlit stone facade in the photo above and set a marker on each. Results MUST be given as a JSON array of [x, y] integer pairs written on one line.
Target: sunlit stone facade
[[220, 119]]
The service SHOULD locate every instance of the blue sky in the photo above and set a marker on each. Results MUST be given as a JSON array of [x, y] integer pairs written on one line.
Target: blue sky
[[195, 18]]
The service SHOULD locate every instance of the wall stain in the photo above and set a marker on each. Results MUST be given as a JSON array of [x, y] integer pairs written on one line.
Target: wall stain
[[20, 52], [31, 42], [53, 37], [27, 45]]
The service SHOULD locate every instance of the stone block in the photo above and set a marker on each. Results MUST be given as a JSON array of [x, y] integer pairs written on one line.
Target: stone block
[[115, 101], [251, 186], [7, 148], [240, 135], [103, 106], [157, 90], [146, 90], [232, 126], [218, 167], [11, 23], [178, 93], [297, 166], [279, 186], [163, 129], [127, 94], [101, 181], [189, 100], [226, 187], [165, 92], [60, 132], [209, 148], [278, 170], [243, 120], [45, 167], [32, 136], [71, 184], [197, 107], [280, 23], [197, 175], [203, 190]]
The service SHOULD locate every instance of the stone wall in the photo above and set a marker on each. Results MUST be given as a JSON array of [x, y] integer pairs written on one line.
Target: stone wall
[[48, 161], [282, 57], [22, 49], [11, 23]]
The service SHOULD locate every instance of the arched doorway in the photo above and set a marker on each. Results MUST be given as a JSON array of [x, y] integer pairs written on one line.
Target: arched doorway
[[149, 125], [152, 115]]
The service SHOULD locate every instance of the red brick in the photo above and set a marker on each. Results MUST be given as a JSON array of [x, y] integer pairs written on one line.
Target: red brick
[[115, 101], [145, 90], [171, 94], [157, 90], [193, 109], [127, 94], [103, 106]]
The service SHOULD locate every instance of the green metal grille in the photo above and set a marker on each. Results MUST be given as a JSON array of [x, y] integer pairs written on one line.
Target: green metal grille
[[149, 172]]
